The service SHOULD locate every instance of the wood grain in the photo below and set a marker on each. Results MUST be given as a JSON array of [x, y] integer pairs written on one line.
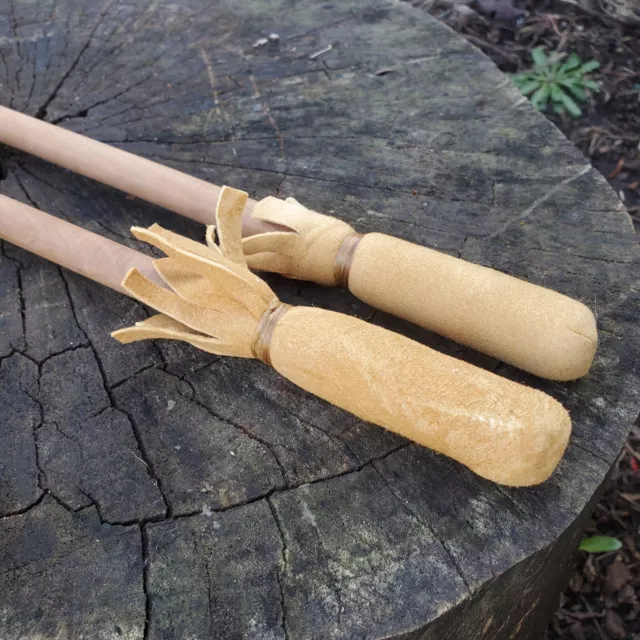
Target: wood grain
[[166, 485]]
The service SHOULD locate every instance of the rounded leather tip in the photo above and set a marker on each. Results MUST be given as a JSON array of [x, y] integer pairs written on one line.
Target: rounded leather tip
[[573, 349], [531, 456]]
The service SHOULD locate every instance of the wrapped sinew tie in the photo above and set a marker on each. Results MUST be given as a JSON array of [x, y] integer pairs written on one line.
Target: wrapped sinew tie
[[504, 431], [528, 326]]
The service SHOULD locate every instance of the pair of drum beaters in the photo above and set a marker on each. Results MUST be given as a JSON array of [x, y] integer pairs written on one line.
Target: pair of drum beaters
[[504, 431]]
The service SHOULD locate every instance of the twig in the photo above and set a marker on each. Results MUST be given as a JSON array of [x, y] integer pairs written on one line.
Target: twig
[[483, 43], [617, 170], [579, 615], [630, 449], [595, 622]]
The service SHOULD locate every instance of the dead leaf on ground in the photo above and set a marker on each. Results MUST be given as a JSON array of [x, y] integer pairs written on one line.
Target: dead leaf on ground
[[614, 625], [503, 10], [618, 575]]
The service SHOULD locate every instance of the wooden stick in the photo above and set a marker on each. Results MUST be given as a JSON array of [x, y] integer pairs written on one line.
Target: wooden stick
[[77, 249], [150, 181]]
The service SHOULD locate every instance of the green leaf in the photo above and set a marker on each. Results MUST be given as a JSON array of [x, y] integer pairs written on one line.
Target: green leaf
[[555, 69], [591, 84], [529, 87], [539, 57], [600, 544], [520, 79], [558, 95], [577, 90], [572, 62], [540, 98], [592, 65]]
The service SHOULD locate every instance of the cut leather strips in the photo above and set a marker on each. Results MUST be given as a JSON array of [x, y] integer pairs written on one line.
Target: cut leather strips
[[528, 326], [503, 431]]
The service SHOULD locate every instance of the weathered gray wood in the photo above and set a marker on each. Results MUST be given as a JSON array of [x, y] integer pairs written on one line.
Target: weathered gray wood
[[55, 561], [149, 490]]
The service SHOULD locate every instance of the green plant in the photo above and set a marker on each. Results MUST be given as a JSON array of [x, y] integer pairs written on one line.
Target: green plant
[[600, 544], [557, 79]]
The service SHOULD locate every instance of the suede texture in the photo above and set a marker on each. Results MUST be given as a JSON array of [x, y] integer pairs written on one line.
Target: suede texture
[[528, 326], [523, 324], [503, 431], [307, 254]]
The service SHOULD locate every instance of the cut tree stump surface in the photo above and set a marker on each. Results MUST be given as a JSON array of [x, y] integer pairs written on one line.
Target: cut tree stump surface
[[154, 491]]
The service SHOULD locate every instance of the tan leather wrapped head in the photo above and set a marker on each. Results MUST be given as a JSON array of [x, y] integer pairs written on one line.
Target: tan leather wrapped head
[[530, 327]]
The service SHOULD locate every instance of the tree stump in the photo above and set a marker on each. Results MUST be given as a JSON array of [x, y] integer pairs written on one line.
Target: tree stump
[[153, 491]]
